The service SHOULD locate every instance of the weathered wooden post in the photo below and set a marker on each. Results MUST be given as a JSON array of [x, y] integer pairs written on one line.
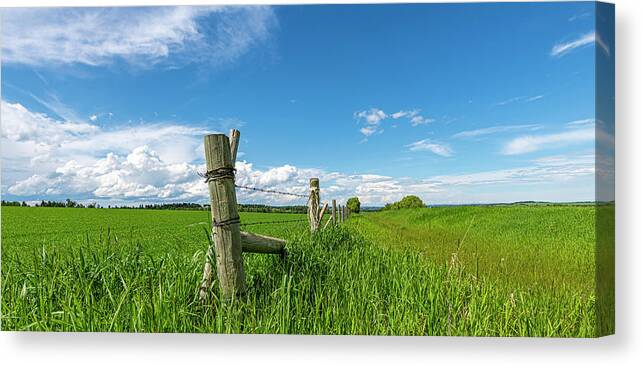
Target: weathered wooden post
[[206, 281], [235, 136], [340, 213], [334, 212], [225, 218], [313, 204]]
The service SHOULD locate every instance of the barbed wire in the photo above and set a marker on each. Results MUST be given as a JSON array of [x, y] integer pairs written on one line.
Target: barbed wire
[[273, 222], [230, 173], [271, 191]]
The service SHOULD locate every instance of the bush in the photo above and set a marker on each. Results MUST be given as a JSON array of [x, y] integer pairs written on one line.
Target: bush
[[408, 201], [354, 205]]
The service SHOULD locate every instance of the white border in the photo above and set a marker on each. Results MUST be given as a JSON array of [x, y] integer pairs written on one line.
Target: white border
[[623, 348]]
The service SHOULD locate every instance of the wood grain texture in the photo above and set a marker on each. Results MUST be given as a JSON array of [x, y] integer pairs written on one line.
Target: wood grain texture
[[227, 238], [256, 243]]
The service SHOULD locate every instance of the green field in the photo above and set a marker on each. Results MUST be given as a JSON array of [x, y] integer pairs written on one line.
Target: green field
[[484, 271]]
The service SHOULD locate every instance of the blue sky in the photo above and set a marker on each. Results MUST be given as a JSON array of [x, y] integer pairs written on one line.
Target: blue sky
[[456, 103]]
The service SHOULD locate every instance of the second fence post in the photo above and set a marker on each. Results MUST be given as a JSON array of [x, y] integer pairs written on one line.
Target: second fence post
[[226, 233], [334, 212], [313, 204]]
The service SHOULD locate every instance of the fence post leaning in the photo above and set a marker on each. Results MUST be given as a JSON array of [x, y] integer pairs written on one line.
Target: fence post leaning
[[313, 204], [226, 233]]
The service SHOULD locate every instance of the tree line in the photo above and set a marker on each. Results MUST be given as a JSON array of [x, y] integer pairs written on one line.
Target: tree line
[[68, 203]]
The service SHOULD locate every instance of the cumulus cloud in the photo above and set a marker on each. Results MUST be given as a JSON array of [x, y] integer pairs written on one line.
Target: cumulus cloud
[[371, 120], [142, 175], [33, 141], [143, 36], [127, 167], [526, 144], [434, 147], [563, 48]]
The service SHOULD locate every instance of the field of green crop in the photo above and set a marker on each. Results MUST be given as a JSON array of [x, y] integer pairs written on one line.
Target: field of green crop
[[484, 271]]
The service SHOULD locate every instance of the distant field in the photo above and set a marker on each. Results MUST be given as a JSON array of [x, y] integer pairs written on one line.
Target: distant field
[[527, 246], [158, 232], [486, 271]]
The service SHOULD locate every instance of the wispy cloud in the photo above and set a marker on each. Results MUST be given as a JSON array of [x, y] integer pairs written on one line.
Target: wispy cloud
[[600, 42], [142, 36], [582, 123], [372, 119], [561, 49], [434, 147], [579, 16], [527, 144], [496, 129], [526, 99]]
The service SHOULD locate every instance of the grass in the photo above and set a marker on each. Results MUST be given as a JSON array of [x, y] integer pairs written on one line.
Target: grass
[[138, 271]]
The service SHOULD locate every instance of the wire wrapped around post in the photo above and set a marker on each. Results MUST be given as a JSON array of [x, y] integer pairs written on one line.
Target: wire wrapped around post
[[313, 204], [226, 234]]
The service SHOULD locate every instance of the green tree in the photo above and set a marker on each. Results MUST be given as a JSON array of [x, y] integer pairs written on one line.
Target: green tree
[[354, 204], [408, 201]]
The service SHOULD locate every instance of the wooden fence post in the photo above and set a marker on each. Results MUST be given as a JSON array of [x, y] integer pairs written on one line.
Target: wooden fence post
[[225, 218], [313, 204], [334, 212], [235, 136], [206, 281]]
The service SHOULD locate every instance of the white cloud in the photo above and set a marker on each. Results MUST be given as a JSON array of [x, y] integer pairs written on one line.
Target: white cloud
[[526, 144], [142, 175], [373, 118], [496, 129], [142, 36], [418, 120], [582, 123], [405, 113], [560, 49], [428, 145], [37, 143], [369, 130], [93, 117], [579, 16], [534, 98], [602, 44], [549, 169], [128, 167], [515, 99]]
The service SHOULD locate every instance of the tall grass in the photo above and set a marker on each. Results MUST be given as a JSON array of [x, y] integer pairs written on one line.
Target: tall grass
[[335, 282]]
